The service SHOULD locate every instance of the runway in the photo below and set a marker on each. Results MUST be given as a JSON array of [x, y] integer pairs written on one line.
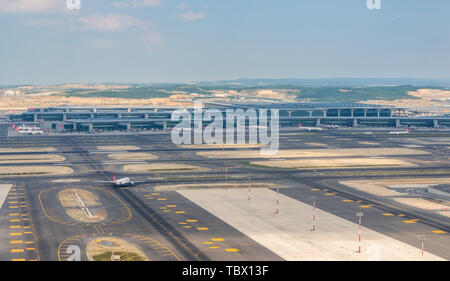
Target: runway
[[165, 225]]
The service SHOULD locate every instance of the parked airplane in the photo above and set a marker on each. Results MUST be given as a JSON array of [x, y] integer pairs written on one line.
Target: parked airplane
[[27, 130], [399, 132], [309, 129]]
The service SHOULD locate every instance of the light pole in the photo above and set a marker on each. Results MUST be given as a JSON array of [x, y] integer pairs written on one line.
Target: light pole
[[359, 215], [314, 199]]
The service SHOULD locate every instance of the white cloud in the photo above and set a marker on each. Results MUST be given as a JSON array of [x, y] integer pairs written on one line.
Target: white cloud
[[181, 6], [137, 3], [113, 22], [190, 16], [31, 6]]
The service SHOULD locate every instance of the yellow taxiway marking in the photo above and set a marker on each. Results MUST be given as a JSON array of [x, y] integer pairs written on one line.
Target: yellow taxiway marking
[[150, 198], [347, 200], [154, 193], [166, 211], [208, 243], [14, 220], [15, 226], [315, 189], [439, 231], [387, 214], [16, 242], [182, 223], [28, 232], [217, 239], [401, 215], [187, 226], [366, 206], [213, 247], [15, 214], [232, 250], [15, 234], [192, 220], [171, 206], [13, 202], [29, 242], [162, 199], [13, 207], [409, 221], [202, 228], [330, 194], [30, 249], [18, 260], [180, 212], [17, 250]]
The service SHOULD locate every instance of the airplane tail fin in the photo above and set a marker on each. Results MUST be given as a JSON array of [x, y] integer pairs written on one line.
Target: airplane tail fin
[[114, 177]]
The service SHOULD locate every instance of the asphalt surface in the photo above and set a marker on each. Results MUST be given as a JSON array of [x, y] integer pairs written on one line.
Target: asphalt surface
[[167, 226]]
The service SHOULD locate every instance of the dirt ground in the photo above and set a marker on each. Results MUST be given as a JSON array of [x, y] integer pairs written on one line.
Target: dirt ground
[[31, 158], [202, 146], [118, 147], [162, 167], [17, 171], [325, 163], [14, 103], [133, 156], [41, 149], [311, 153]]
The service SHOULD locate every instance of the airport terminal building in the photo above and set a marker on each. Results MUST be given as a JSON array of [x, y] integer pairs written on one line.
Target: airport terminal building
[[316, 114]]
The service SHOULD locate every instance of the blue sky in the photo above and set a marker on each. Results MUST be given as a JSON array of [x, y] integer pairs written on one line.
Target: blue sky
[[43, 42]]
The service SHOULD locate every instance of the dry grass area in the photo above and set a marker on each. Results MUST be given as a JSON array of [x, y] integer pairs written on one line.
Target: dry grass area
[[118, 147], [73, 209], [162, 168], [31, 158], [371, 187], [312, 153], [202, 146], [368, 143], [68, 201], [174, 187], [133, 156], [325, 163], [96, 248], [316, 144], [40, 149], [421, 204], [98, 215], [59, 100], [17, 171], [425, 98], [380, 188]]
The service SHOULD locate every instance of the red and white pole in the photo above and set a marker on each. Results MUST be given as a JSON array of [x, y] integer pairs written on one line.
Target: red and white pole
[[359, 236], [360, 215], [249, 188], [314, 216], [422, 248], [277, 203]]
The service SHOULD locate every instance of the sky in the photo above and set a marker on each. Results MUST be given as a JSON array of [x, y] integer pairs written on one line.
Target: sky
[[144, 41]]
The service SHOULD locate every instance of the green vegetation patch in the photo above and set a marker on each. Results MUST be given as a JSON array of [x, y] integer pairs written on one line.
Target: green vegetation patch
[[124, 256]]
